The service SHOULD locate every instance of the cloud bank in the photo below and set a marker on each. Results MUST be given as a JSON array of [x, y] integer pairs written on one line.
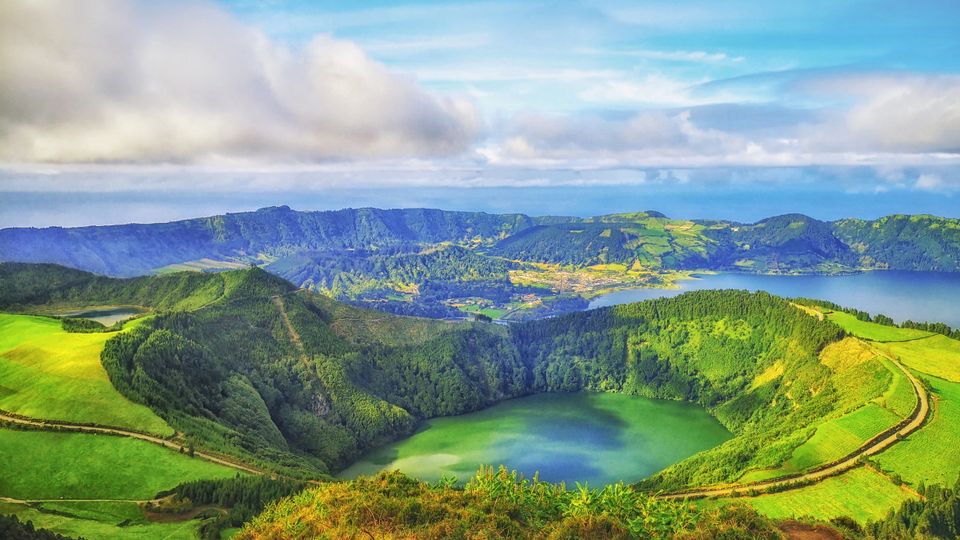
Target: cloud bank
[[184, 88], [114, 81]]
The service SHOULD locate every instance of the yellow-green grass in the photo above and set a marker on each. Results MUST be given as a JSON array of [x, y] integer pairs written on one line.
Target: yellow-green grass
[[99, 520], [937, 355], [930, 455], [832, 440], [876, 394], [493, 313], [874, 331], [51, 465], [900, 398], [862, 494], [200, 265], [51, 374], [838, 437]]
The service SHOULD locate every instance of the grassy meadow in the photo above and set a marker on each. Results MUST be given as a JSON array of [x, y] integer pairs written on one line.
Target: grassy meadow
[[930, 455], [115, 520], [936, 355], [862, 494], [51, 374], [51, 465], [874, 331]]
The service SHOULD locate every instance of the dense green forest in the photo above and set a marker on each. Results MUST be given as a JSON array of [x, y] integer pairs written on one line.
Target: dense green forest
[[11, 528], [244, 497]]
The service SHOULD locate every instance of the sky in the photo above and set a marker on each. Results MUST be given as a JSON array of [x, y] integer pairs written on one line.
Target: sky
[[114, 111]]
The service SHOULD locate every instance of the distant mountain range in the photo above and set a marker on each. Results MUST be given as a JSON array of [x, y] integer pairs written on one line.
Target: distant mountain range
[[414, 260]]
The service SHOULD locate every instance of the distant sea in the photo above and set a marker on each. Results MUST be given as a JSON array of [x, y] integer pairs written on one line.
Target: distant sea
[[741, 203]]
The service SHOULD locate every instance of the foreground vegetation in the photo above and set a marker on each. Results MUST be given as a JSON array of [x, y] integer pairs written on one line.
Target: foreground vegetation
[[494, 504]]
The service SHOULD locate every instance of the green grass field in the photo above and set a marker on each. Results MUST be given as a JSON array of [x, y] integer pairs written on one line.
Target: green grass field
[[862, 494], [51, 465], [833, 439], [874, 331], [200, 265], [48, 373], [100, 520], [493, 313], [937, 355], [900, 398], [930, 455], [838, 437]]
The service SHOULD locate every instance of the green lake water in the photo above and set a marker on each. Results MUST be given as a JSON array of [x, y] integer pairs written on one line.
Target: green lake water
[[105, 315], [582, 437]]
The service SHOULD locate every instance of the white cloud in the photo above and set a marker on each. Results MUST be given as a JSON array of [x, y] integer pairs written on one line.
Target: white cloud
[[887, 112], [115, 81], [672, 56], [931, 182]]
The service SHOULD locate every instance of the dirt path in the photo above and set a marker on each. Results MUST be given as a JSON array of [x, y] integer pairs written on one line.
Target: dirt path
[[846, 463], [291, 331], [79, 428], [11, 500]]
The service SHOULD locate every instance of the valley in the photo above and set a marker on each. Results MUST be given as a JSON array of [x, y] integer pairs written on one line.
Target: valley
[[696, 404]]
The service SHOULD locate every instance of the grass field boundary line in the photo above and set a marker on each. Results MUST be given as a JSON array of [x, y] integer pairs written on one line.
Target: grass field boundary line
[[121, 432]]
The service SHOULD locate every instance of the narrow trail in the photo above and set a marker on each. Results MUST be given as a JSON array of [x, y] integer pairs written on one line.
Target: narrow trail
[[291, 331], [51, 425], [12, 500], [848, 462]]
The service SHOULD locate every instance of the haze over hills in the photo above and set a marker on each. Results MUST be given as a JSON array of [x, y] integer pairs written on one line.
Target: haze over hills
[[791, 242], [441, 264]]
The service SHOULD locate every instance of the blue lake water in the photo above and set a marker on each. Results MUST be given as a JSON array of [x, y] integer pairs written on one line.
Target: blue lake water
[[919, 296]]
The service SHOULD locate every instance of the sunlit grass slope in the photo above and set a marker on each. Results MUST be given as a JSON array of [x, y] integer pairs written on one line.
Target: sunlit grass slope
[[927, 456], [100, 520], [51, 465], [51, 374], [877, 395], [874, 331], [930, 455], [937, 355], [862, 494]]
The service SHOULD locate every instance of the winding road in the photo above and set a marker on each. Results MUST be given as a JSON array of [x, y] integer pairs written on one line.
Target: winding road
[[848, 462]]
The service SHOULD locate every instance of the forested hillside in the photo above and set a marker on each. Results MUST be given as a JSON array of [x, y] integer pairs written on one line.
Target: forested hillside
[[247, 365]]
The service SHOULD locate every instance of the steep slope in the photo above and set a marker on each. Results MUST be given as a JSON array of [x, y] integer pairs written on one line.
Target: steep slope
[[901, 242]]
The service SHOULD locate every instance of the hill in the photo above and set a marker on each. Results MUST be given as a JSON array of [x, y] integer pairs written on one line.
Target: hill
[[445, 264]]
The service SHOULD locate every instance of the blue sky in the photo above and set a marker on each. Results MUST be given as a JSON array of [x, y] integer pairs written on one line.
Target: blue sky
[[278, 102]]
